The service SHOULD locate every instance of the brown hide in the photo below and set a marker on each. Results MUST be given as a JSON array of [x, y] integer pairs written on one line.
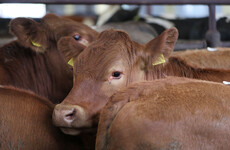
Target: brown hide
[[26, 123], [114, 61], [38, 72], [178, 67], [203, 58], [172, 113], [40, 67]]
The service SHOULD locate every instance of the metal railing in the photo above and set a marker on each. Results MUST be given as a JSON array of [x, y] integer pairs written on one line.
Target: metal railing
[[139, 2], [212, 36]]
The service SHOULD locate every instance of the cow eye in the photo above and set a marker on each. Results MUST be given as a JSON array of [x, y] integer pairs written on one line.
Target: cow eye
[[77, 37], [116, 75]]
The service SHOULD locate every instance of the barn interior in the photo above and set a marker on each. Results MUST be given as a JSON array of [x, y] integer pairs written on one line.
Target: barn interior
[[193, 19]]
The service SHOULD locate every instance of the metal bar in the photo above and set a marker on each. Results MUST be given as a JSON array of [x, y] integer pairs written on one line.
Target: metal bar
[[189, 44], [143, 2], [148, 9], [212, 36], [225, 44], [212, 17]]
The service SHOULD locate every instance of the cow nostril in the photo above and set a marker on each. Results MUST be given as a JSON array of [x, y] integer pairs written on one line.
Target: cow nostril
[[71, 115]]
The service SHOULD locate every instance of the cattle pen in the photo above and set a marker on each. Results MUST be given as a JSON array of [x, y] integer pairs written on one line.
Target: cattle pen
[[63, 83], [212, 37]]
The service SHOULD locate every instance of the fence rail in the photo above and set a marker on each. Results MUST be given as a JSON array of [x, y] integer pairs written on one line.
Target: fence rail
[[212, 36], [141, 2]]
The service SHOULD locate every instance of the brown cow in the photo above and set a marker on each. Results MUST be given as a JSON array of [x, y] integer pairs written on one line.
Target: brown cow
[[33, 61], [25, 123], [171, 113], [114, 61], [205, 59]]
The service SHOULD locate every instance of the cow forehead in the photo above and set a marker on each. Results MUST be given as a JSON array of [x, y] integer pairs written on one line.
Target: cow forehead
[[96, 65], [110, 42], [62, 24], [105, 53], [101, 53], [67, 28]]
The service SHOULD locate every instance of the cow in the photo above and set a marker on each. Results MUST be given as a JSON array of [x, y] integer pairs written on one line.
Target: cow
[[26, 123], [219, 59], [112, 62], [33, 61], [170, 113]]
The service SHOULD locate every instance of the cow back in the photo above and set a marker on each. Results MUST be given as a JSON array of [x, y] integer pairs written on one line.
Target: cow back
[[171, 113]]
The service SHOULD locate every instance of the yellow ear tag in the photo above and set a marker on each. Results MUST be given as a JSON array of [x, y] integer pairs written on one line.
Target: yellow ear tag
[[70, 62], [160, 60], [35, 44]]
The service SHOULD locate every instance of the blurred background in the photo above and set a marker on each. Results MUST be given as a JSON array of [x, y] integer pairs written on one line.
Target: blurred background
[[13, 10], [160, 17]]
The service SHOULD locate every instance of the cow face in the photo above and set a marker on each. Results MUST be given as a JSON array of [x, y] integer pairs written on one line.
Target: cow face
[[44, 35], [108, 64]]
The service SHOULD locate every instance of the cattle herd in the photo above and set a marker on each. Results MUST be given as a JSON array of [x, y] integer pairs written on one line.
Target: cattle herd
[[117, 94]]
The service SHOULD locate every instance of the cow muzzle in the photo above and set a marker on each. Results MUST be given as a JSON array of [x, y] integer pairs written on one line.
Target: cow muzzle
[[72, 119]]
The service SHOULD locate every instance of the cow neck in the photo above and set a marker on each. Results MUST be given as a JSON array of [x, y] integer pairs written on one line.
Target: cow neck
[[42, 73], [172, 67], [59, 72], [25, 67], [177, 67]]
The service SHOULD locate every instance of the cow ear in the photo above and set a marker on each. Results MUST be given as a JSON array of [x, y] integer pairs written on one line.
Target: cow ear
[[70, 48], [29, 33], [162, 46]]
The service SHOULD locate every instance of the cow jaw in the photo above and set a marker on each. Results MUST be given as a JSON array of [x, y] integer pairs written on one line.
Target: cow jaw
[[70, 131], [77, 131]]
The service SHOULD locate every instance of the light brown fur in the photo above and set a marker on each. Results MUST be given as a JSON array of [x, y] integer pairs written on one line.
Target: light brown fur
[[205, 59], [171, 113]]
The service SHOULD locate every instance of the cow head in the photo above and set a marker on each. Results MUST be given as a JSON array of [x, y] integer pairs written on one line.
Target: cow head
[[44, 35], [108, 64]]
